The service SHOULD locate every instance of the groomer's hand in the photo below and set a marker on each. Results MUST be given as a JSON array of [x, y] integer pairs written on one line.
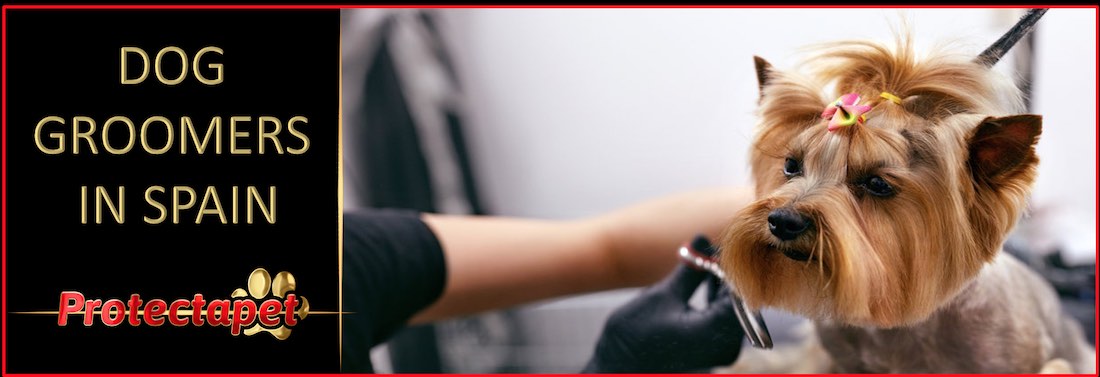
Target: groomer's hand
[[659, 332]]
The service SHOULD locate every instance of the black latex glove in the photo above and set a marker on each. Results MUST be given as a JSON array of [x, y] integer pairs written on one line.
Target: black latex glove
[[657, 332]]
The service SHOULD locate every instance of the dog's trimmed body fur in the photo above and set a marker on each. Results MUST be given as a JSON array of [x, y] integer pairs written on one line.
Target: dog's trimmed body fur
[[888, 233], [1006, 321]]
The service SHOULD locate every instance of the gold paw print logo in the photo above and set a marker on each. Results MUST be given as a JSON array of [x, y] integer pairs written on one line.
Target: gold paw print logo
[[272, 314]]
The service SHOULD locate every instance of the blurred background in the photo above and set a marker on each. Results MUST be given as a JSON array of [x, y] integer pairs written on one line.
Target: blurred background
[[566, 113]]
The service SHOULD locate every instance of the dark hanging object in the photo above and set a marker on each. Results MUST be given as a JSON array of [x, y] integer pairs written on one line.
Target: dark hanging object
[[399, 173], [993, 54]]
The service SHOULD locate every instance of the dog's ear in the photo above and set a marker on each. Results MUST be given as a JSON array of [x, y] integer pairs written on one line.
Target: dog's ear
[[763, 72], [1002, 147]]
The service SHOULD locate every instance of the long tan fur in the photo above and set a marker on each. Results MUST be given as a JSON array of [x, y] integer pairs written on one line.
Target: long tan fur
[[959, 158]]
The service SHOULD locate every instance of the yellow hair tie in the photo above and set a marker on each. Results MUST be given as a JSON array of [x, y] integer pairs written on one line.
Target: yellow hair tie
[[890, 97]]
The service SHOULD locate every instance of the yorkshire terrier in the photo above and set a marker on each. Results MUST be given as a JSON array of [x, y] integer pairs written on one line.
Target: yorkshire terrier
[[881, 214]]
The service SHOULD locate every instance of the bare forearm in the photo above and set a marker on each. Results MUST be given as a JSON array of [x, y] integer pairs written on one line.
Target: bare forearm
[[497, 262]]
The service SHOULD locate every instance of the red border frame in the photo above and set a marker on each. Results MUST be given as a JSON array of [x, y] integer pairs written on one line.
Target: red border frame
[[547, 6], [4, 105]]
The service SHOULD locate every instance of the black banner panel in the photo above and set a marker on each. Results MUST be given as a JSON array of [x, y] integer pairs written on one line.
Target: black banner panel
[[172, 190]]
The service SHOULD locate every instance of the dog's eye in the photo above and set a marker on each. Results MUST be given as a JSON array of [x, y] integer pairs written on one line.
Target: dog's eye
[[792, 167], [878, 186]]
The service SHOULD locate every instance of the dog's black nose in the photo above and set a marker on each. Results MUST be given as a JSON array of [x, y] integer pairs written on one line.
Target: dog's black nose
[[787, 224]]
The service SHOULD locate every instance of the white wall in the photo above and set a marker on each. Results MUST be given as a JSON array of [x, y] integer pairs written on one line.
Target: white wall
[[577, 111], [1065, 94]]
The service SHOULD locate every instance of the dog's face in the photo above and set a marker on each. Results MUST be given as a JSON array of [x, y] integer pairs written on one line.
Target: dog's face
[[879, 223]]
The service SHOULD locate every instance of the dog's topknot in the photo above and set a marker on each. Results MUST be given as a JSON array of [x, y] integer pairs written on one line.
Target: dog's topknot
[[937, 84], [933, 85]]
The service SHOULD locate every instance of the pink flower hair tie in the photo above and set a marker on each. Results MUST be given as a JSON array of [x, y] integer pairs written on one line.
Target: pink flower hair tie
[[845, 111]]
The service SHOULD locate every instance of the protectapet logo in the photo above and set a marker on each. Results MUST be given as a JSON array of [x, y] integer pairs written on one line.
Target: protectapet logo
[[250, 311]]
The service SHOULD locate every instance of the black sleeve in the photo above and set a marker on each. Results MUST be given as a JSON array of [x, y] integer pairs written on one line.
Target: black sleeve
[[393, 268]]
